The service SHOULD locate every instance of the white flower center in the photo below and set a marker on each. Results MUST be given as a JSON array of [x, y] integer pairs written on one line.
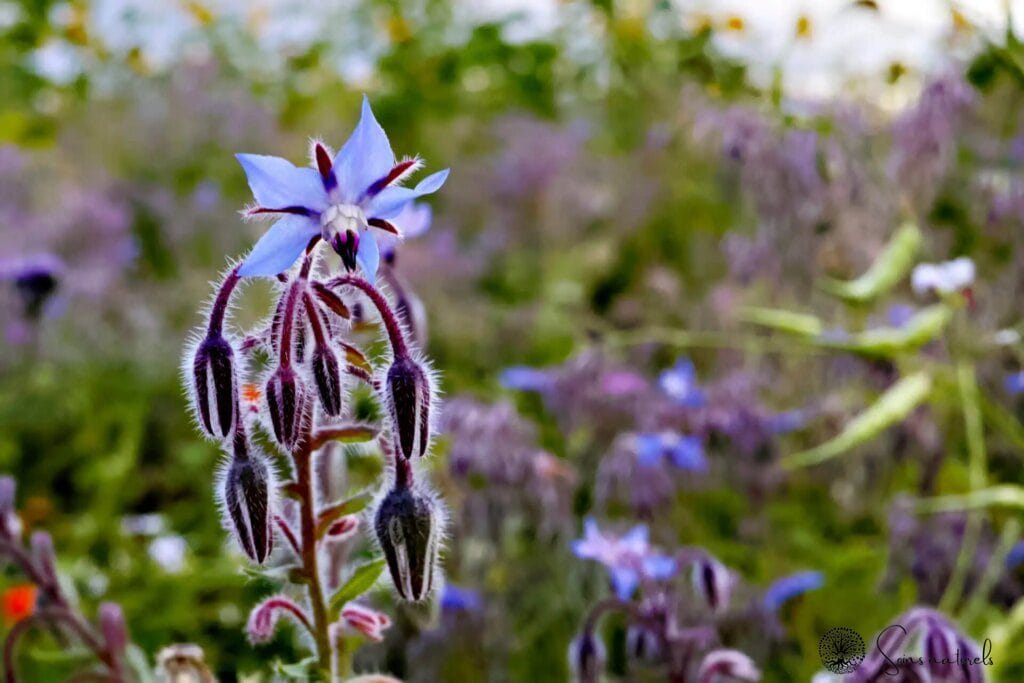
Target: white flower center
[[341, 217]]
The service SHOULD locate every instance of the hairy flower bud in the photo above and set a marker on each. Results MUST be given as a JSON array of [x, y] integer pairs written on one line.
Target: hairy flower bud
[[264, 618], [215, 386], [408, 401], [115, 633], [586, 657], [327, 375], [247, 501], [287, 401], [712, 583], [43, 554], [370, 623], [408, 526]]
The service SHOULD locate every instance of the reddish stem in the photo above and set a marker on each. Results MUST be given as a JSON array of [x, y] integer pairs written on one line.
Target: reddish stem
[[391, 323], [220, 304]]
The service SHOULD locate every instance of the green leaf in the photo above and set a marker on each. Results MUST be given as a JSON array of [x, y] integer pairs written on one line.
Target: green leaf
[[891, 266], [801, 324], [362, 580], [923, 327], [890, 408], [306, 670], [1002, 495]]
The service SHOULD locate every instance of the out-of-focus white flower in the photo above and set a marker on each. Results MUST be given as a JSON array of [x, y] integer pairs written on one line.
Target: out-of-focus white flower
[[169, 552], [943, 278], [149, 524], [57, 61]]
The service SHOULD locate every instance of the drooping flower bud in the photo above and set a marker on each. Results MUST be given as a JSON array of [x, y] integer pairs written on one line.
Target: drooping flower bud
[[409, 529], [344, 528], [642, 643], [730, 665], [586, 657], [346, 244], [364, 620], [264, 618], [408, 401], [248, 487], [112, 625], [214, 384], [711, 581], [327, 375], [287, 400]]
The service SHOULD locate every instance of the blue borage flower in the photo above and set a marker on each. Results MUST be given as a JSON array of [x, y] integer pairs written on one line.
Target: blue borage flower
[[629, 558], [683, 452], [339, 200], [455, 599], [1014, 383], [680, 384], [789, 587]]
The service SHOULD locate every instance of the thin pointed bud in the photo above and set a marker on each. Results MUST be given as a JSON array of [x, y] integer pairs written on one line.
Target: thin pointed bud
[[43, 554], [586, 658], [10, 524], [408, 402], [112, 625], [346, 244], [214, 384], [247, 501], [344, 528], [287, 400], [409, 529], [327, 376], [711, 581]]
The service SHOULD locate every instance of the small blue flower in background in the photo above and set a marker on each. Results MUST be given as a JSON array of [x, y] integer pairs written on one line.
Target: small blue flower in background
[[897, 315], [680, 384], [1015, 557], [525, 378], [1014, 383], [789, 587], [455, 599], [788, 421], [339, 200], [628, 558], [683, 452]]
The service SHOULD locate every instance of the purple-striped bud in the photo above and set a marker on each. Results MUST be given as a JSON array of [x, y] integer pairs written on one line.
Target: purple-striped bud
[[730, 665], [215, 386], [408, 401], [643, 644], [409, 529], [712, 583], [327, 375], [346, 244], [586, 658], [247, 501], [287, 400], [112, 625]]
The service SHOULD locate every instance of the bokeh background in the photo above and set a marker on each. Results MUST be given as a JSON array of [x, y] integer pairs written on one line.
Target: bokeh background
[[629, 178]]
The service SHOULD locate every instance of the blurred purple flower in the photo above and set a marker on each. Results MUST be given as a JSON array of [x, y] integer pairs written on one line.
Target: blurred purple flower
[[1014, 383], [524, 378], [897, 315], [414, 220], [785, 589], [628, 558], [1015, 557], [340, 199], [455, 599], [683, 452], [622, 382], [680, 384], [785, 422]]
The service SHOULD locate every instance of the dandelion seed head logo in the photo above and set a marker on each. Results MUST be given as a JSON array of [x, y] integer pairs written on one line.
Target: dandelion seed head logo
[[841, 650]]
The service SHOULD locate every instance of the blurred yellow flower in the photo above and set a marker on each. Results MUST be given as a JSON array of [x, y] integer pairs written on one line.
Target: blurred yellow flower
[[803, 27]]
